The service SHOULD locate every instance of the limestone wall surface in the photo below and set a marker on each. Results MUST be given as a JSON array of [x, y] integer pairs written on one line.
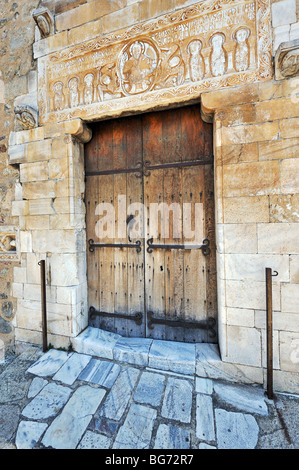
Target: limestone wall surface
[[256, 185]]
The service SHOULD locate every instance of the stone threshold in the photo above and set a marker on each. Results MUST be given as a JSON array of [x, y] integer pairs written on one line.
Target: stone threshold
[[200, 359]]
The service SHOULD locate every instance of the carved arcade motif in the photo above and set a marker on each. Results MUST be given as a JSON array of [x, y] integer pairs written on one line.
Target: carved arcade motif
[[183, 54]]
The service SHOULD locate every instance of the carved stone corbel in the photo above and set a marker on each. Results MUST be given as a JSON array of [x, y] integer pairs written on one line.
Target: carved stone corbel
[[26, 117], [287, 60], [44, 21]]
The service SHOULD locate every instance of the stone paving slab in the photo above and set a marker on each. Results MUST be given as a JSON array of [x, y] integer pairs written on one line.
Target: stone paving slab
[[67, 429], [142, 408]]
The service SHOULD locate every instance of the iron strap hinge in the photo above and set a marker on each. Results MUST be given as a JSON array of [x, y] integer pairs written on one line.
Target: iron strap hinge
[[137, 317], [93, 245], [208, 324], [204, 247]]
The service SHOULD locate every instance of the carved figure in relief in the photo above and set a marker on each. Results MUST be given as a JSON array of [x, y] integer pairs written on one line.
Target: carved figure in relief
[[88, 88], [59, 99], [196, 62], [74, 92], [218, 57], [108, 81], [171, 68], [139, 64], [242, 50]]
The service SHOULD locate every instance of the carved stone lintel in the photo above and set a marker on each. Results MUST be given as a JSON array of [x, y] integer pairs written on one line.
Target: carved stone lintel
[[287, 60], [44, 21], [26, 116]]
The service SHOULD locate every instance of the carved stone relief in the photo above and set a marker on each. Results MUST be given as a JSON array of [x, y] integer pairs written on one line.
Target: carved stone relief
[[26, 117], [44, 21], [210, 45], [8, 250], [287, 60]]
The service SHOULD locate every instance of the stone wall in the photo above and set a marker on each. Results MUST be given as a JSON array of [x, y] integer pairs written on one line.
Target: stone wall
[[17, 77], [256, 186]]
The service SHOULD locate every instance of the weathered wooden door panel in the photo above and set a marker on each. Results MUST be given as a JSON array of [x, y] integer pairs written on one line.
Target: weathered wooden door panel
[[174, 144], [164, 161], [115, 274]]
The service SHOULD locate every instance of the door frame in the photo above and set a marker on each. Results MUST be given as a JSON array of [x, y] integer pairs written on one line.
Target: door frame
[[146, 168]]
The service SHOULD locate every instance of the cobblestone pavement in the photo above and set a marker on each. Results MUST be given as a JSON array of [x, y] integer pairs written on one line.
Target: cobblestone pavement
[[70, 400]]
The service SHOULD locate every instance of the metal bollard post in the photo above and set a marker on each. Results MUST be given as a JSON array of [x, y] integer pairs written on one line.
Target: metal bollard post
[[42, 265], [269, 307]]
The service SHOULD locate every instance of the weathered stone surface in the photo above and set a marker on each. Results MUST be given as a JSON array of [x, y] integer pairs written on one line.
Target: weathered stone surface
[[75, 417], [48, 402], [119, 395], [132, 350], [177, 357], [203, 386], [136, 431], [100, 372], [172, 437], [249, 399], [49, 363], [177, 400], [72, 368], [149, 389], [92, 440], [36, 386], [96, 342], [235, 430], [9, 415], [29, 433], [205, 428]]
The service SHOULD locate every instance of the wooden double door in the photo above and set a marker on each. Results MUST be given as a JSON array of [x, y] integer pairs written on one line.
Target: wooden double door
[[150, 226]]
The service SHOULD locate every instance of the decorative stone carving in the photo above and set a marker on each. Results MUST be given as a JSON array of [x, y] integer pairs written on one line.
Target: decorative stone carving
[[8, 244], [287, 60], [26, 116], [173, 58], [44, 21]]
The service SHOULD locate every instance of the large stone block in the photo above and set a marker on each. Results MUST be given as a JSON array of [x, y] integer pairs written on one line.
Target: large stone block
[[283, 208], [40, 150], [289, 128], [67, 269], [280, 238], [41, 207], [276, 109], [250, 294], [279, 149], [294, 269], [34, 172], [238, 153], [120, 19], [245, 209], [283, 12], [290, 298], [244, 346], [56, 241], [222, 99], [251, 179], [289, 352], [58, 168], [240, 238], [290, 175], [252, 266], [250, 133]]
